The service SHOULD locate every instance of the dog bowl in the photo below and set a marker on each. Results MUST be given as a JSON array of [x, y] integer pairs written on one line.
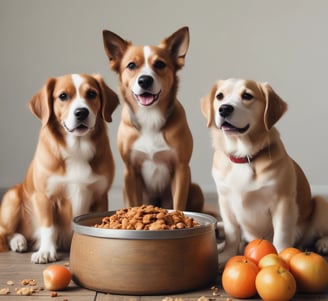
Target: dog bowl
[[143, 262]]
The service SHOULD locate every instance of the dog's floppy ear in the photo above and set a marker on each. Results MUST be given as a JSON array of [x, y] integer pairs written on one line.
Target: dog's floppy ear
[[115, 48], [275, 107], [177, 45], [109, 99], [41, 102], [206, 105]]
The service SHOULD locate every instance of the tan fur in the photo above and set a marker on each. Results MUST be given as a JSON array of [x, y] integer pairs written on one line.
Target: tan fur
[[269, 196], [69, 175], [154, 140]]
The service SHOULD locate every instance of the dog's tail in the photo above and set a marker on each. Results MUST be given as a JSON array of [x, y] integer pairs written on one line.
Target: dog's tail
[[320, 224], [3, 240], [9, 214]]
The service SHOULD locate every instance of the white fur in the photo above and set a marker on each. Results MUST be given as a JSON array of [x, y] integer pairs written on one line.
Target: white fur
[[47, 249], [79, 174], [151, 141], [237, 148], [236, 185], [17, 242]]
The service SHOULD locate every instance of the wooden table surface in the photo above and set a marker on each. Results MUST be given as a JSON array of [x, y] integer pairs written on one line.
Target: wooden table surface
[[16, 267]]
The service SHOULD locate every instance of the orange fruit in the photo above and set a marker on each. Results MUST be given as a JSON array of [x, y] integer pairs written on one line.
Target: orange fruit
[[56, 277], [258, 248]]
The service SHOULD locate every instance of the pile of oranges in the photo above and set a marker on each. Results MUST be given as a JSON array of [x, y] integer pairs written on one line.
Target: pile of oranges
[[274, 276]]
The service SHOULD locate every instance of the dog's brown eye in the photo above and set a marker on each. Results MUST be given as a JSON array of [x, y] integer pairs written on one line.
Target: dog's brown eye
[[247, 96], [219, 96], [63, 96], [159, 65], [91, 94], [132, 66]]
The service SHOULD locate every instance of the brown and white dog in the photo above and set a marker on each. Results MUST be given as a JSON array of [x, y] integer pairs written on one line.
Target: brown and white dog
[[262, 192], [72, 169], [154, 138]]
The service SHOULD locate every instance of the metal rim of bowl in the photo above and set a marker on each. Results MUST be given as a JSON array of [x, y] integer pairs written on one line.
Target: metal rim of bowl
[[207, 223]]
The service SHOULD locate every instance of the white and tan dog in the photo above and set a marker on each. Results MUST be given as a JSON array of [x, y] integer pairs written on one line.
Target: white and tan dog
[[154, 138], [72, 169], [262, 192]]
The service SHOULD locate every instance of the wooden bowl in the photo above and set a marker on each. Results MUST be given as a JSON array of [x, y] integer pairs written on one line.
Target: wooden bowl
[[143, 262]]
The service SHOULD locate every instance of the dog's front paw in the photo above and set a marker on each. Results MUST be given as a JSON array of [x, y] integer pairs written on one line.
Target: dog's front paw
[[17, 242], [321, 245], [44, 256]]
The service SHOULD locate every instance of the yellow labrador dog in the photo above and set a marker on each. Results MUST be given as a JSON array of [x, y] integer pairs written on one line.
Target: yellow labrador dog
[[262, 192]]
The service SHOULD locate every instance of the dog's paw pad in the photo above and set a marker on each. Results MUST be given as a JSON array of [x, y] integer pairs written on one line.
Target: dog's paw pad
[[44, 256], [321, 245], [17, 242]]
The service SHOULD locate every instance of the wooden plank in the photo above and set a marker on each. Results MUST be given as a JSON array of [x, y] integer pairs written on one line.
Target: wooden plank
[[15, 267]]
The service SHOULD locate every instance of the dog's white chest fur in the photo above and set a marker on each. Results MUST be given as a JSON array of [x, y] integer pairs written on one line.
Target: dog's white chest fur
[[156, 175], [79, 175], [244, 195]]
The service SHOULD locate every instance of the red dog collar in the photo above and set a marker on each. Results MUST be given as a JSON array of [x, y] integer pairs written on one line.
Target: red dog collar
[[247, 159], [240, 159]]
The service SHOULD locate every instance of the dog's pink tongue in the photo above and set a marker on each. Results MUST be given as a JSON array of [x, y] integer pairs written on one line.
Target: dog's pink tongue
[[146, 99]]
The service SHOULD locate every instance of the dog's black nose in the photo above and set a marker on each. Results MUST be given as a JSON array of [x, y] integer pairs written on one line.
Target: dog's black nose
[[145, 81], [225, 110], [81, 113]]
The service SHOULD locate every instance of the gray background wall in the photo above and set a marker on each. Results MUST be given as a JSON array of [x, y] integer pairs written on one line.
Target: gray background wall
[[282, 42]]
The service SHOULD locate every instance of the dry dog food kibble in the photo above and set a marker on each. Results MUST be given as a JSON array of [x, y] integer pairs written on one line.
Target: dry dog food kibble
[[147, 217]]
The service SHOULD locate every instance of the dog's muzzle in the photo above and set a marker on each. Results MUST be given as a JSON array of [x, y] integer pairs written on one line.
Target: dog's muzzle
[[79, 125], [225, 111], [146, 98]]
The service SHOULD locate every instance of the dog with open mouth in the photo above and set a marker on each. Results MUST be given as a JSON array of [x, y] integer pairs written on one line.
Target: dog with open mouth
[[262, 192], [72, 169], [154, 138]]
